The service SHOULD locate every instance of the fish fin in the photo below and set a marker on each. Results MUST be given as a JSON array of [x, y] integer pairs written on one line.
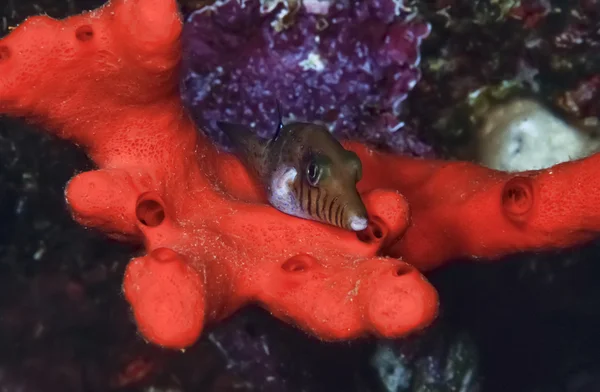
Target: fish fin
[[279, 121], [248, 144]]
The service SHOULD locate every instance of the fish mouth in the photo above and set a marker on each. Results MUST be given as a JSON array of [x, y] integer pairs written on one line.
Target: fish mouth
[[357, 218], [357, 223]]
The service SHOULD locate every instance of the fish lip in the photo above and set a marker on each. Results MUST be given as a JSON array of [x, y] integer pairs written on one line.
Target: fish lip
[[358, 223]]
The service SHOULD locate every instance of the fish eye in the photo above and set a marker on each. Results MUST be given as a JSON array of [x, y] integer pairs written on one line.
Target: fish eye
[[313, 173]]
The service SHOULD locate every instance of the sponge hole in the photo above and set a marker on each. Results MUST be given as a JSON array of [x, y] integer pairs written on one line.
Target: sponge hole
[[300, 263], [373, 233], [84, 33], [163, 254], [150, 212], [517, 196], [402, 270]]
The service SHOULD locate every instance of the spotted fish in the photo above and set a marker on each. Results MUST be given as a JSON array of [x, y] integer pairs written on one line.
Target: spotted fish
[[306, 172]]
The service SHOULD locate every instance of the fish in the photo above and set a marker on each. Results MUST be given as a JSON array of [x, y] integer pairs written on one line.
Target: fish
[[305, 171]]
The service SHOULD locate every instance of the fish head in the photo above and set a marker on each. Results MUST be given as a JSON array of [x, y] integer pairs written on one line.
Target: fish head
[[326, 182]]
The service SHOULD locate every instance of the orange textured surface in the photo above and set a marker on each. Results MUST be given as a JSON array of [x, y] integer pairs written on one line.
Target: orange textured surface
[[107, 80], [459, 209]]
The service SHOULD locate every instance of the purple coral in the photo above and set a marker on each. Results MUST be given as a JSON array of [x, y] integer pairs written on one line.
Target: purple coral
[[348, 64]]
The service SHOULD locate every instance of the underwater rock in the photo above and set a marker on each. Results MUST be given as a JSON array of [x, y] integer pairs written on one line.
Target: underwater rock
[[248, 350], [439, 360], [349, 65], [523, 135], [273, 357], [582, 100], [508, 127]]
